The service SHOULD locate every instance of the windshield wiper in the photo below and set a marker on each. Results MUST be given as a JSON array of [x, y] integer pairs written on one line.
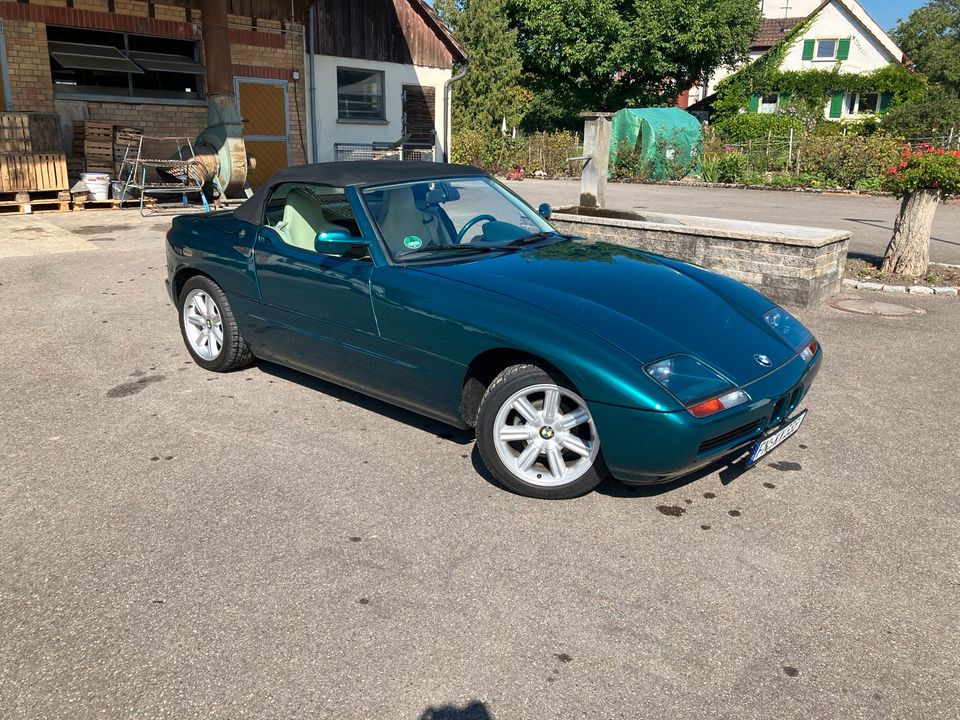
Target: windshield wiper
[[448, 248], [537, 237]]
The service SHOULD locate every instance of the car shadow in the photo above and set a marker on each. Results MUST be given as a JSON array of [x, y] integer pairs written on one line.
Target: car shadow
[[730, 468], [338, 392]]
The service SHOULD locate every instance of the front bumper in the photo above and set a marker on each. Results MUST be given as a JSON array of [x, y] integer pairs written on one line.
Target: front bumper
[[643, 447]]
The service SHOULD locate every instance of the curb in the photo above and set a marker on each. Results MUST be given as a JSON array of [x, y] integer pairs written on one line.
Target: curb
[[901, 289]]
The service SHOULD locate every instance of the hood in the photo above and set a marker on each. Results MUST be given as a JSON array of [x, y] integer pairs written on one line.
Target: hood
[[647, 306]]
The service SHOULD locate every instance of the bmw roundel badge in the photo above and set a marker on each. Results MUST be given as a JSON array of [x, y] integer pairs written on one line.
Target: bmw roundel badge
[[763, 360]]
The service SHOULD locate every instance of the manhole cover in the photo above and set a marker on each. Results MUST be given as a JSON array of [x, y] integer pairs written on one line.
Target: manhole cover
[[874, 307]]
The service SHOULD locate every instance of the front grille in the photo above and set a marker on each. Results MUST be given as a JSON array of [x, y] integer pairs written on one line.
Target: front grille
[[728, 437]]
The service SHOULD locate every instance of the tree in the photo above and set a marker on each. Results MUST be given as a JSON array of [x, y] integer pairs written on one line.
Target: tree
[[923, 177], [936, 113], [490, 91], [930, 36], [610, 54]]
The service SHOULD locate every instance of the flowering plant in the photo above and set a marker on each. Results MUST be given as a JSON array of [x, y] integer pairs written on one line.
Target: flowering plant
[[924, 168]]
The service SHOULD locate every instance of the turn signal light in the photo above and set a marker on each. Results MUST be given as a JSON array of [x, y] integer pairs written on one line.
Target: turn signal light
[[718, 404], [810, 350]]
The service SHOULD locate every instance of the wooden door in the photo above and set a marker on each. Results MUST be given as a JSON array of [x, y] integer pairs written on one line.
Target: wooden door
[[266, 125], [419, 104]]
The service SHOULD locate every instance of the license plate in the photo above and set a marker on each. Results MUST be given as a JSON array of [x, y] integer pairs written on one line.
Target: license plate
[[763, 447]]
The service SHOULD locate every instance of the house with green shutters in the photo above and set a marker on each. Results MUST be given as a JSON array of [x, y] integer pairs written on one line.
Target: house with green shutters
[[832, 35]]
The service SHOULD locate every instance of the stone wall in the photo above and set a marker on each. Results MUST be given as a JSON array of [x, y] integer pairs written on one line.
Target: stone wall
[[789, 264]]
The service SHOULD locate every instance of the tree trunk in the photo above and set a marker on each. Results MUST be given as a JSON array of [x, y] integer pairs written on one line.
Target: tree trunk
[[909, 250]]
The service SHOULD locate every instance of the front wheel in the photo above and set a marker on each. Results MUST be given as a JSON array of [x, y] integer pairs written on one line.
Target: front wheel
[[537, 437], [209, 329]]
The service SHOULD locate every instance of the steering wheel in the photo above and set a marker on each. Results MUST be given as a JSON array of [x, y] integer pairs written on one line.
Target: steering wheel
[[471, 223]]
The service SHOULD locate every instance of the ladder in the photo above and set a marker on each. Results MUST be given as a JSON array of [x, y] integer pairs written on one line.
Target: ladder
[[181, 173]]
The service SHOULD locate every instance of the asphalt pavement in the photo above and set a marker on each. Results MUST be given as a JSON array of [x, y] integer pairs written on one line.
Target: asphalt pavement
[[179, 544], [869, 218]]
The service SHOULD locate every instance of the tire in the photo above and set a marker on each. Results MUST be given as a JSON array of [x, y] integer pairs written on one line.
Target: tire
[[532, 448], [203, 309]]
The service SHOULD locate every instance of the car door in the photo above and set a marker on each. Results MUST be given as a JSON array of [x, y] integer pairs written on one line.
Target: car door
[[317, 311]]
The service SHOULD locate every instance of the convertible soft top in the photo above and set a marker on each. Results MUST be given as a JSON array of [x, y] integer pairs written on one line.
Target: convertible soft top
[[342, 174]]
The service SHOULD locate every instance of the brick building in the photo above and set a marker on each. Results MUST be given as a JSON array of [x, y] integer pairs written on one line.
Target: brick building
[[140, 63]]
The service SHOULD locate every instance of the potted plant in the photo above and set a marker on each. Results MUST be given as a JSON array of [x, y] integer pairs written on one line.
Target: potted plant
[[923, 177]]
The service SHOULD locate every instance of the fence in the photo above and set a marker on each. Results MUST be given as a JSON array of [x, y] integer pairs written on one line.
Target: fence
[[345, 152]]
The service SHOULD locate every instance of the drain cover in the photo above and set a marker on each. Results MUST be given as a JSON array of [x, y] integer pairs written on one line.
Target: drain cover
[[874, 307]]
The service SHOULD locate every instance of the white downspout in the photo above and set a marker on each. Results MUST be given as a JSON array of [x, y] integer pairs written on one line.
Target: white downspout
[[448, 112]]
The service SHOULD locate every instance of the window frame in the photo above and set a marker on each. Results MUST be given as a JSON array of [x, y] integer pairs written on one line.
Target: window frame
[[853, 106], [382, 118], [129, 93], [836, 49], [761, 104]]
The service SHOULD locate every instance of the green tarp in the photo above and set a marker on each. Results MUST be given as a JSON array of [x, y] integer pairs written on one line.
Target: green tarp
[[669, 140]]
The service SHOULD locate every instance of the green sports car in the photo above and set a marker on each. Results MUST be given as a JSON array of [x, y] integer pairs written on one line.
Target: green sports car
[[433, 287]]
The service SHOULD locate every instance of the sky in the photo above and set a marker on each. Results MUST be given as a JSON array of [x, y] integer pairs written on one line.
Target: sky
[[887, 12]]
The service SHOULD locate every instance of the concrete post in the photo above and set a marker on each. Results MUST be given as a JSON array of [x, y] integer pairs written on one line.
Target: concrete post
[[596, 148]]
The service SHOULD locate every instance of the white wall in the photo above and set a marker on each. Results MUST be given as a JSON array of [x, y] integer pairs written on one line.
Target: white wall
[[835, 21], [797, 8], [330, 129]]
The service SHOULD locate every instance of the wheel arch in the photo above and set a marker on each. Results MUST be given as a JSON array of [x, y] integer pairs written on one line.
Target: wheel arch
[[185, 274], [485, 367]]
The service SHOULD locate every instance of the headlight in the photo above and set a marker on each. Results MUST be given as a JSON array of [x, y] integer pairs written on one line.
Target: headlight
[[787, 326], [700, 388]]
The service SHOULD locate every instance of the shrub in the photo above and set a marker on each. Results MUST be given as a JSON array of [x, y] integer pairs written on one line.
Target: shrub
[[544, 152], [747, 127], [926, 167], [849, 159], [629, 163], [934, 114]]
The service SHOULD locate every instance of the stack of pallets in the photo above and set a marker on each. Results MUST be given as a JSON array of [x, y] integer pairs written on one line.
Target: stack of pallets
[[126, 141], [33, 169], [93, 141]]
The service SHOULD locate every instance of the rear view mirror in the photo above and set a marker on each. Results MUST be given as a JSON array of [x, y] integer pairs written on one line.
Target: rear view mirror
[[545, 211], [335, 242]]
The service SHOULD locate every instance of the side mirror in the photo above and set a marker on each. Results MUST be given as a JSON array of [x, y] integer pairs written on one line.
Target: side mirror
[[545, 211], [335, 242]]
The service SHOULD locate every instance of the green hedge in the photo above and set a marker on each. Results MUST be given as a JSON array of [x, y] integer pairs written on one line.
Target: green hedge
[[543, 152]]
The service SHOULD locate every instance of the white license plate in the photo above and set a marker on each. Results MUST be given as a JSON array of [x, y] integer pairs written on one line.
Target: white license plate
[[766, 445]]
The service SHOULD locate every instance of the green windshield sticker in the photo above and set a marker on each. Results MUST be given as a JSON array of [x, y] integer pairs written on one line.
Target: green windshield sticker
[[413, 242]]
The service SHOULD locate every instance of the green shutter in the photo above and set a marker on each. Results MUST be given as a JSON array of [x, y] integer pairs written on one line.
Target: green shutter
[[808, 49], [885, 100], [784, 100], [843, 49], [836, 105], [754, 103]]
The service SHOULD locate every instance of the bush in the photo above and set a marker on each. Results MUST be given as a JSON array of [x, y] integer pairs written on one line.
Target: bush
[[629, 163], [933, 115], [724, 167], [849, 159], [747, 127], [544, 152], [926, 167]]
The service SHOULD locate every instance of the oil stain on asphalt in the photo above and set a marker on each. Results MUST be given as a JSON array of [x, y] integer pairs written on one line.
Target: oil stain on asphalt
[[671, 510], [786, 466], [132, 388]]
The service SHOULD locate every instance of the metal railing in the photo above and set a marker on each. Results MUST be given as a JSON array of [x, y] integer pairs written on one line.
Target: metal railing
[[346, 152]]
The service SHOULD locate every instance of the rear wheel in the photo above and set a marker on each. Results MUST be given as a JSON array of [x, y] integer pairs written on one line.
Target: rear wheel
[[537, 437], [209, 329]]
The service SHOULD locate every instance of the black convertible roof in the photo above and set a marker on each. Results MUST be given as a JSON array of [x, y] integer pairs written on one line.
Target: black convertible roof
[[343, 174]]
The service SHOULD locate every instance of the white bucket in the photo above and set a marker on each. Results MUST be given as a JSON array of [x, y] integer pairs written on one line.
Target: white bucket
[[98, 184]]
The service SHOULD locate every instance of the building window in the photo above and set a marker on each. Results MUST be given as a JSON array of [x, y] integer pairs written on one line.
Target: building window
[[827, 49], [768, 104], [359, 94], [863, 103], [95, 64]]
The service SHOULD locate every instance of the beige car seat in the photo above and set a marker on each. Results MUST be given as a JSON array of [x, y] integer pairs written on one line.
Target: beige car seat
[[400, 218], [303, 220]]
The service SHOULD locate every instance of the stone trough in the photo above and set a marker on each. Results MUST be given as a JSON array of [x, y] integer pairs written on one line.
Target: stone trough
[[801, 266]]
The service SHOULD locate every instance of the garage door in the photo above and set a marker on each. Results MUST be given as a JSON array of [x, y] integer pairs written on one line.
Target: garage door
[[266, 126]]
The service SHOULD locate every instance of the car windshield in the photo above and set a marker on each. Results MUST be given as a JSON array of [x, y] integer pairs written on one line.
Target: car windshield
[[452, 218]]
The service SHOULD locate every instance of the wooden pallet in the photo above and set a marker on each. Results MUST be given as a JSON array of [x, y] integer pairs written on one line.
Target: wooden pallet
[[27, 202], [114, 204], [34, 172], [27, 132]]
